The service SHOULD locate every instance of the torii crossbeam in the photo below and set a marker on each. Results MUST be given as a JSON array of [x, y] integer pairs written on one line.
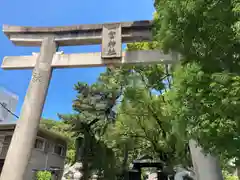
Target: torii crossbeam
[[61, 60], [87, 34], [110, 36]]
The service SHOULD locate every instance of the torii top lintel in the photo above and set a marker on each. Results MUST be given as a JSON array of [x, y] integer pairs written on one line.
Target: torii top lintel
[[77, 35]]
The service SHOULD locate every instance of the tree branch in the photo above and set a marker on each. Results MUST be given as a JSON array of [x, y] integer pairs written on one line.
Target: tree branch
[[150, 108]]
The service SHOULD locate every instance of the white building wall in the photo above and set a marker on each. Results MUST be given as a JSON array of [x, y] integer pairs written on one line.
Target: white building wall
[[40, 159]]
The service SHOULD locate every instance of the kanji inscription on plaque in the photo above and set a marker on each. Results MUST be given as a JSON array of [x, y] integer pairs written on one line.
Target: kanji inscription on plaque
[[112, 41]]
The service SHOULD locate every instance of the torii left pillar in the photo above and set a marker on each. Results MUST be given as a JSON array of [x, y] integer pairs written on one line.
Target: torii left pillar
[[19, 151]]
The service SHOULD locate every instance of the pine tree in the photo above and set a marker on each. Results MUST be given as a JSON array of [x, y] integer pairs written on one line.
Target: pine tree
[[94, 107]]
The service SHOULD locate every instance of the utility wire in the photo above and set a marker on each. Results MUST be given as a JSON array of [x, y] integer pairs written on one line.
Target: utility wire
[[9, 110]]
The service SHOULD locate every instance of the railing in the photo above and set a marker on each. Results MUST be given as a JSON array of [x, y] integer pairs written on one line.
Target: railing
[[3, 150]]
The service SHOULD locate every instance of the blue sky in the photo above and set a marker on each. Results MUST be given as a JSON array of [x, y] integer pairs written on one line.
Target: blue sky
[[53, 13]]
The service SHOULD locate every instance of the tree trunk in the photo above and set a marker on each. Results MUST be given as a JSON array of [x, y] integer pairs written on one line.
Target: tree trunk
[[84, 157], [205, 167], [125, 159]]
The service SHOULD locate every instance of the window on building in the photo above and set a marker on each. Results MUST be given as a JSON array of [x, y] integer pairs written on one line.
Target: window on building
[[7, 139], [59, 149], [46, 146], [39, 143]]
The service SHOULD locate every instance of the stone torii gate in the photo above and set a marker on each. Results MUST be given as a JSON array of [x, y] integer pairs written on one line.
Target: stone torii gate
[[110, 36]]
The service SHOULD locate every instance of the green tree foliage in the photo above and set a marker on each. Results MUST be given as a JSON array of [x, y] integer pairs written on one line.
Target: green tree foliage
[[207, 107], [202, 31], [204, 98], [143, 126], [110, 142]]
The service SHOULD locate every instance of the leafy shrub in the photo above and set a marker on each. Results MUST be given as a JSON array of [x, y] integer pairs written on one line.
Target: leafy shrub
[[228, 176], [70, 158], [43, 175]]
